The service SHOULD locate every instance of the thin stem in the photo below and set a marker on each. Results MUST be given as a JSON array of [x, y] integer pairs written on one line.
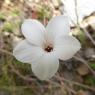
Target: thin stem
[[76, 12], [59, 78], [69, 89], [19, 74], [5, 51], [88, 35], [75, 83], [78, 25], [86, 63]]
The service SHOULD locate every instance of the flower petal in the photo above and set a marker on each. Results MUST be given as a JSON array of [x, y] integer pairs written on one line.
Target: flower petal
[[57, 27], [46, 67], [34, 31], [66, 46], [26, 52]]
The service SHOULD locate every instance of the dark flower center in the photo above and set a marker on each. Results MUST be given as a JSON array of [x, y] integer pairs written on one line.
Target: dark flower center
[[49, 49]]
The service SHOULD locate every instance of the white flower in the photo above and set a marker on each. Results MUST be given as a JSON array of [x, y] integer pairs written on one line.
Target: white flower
[[84, 8], [44, 47]]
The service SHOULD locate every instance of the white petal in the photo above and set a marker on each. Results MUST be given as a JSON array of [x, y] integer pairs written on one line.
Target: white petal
[[66, 46], [57, 27], [34, 31], [26, 52], [46, 67]]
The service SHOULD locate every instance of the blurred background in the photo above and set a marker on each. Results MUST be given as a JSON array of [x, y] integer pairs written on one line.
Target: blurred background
[[75, 76]]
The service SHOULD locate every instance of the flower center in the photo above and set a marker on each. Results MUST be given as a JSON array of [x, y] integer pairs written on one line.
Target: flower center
[[48, 48]]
